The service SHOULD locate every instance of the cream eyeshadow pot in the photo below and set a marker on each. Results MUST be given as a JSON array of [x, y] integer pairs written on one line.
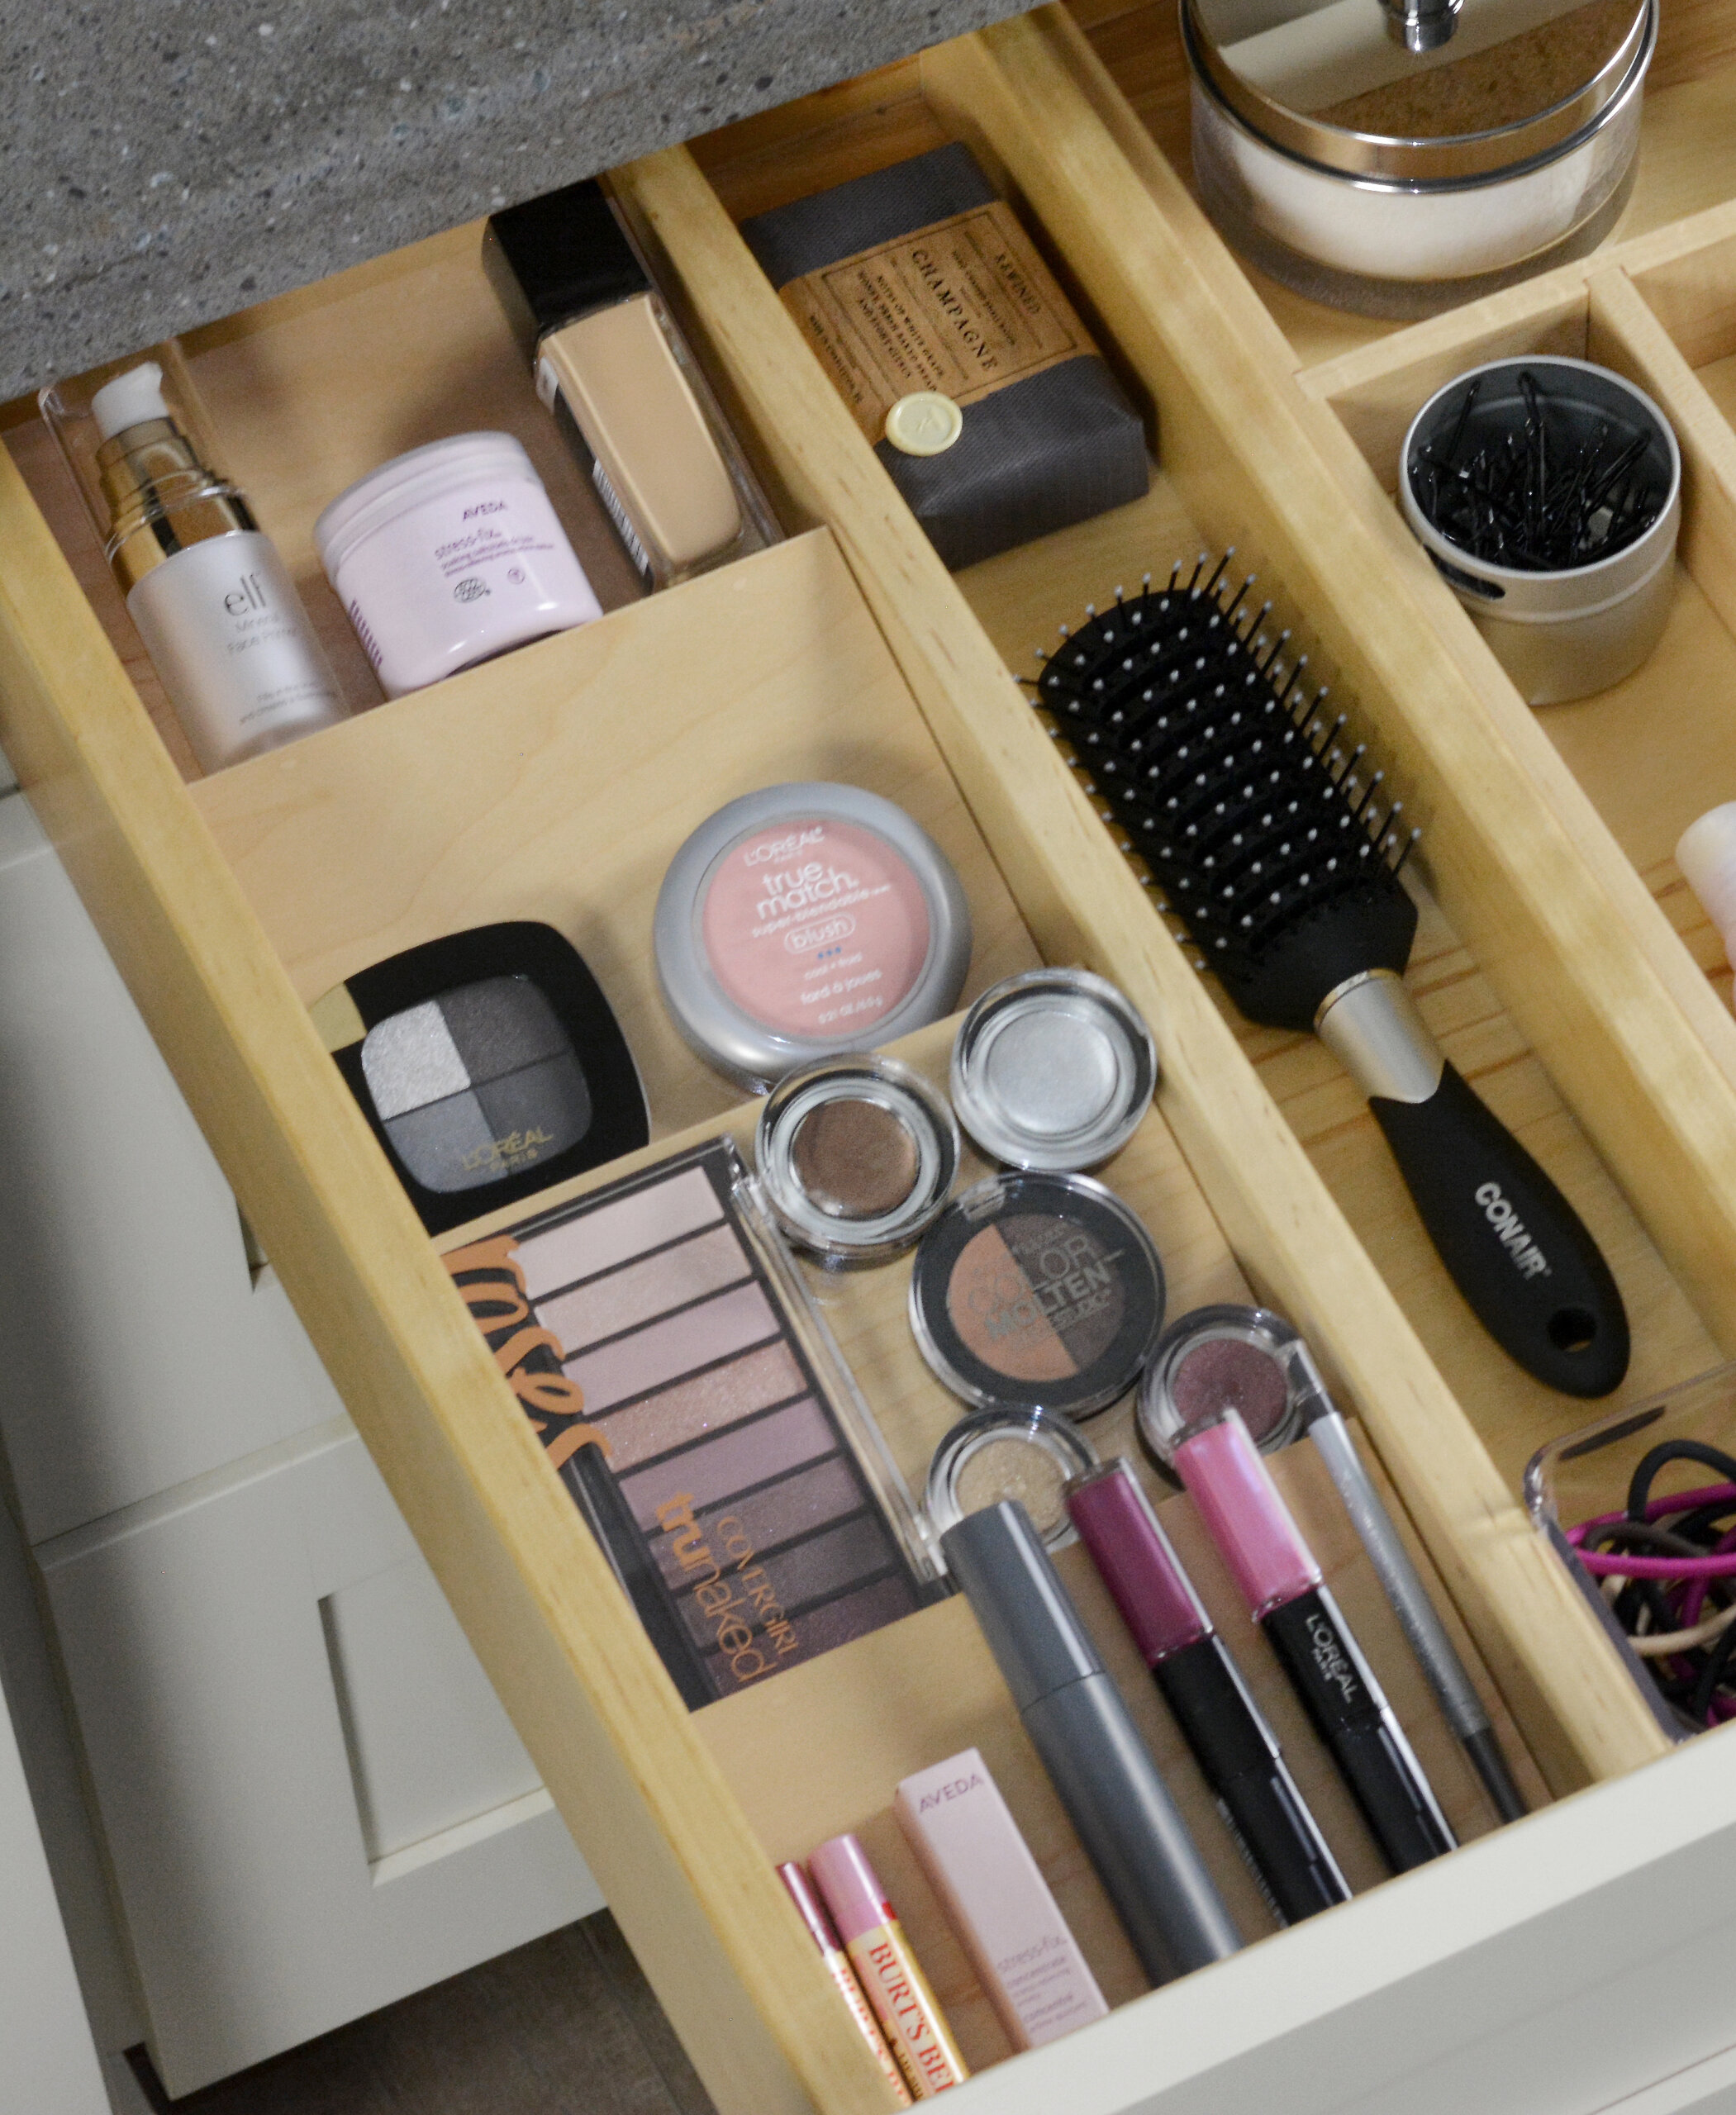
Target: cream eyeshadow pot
[[1052, 1068], [1028, 1455], [1037, 1292], [856, 1155], [803, 921]]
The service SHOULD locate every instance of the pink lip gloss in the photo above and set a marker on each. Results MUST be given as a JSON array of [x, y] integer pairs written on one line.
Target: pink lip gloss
[[812, 1911], [914, 2026], [1286, 1596]]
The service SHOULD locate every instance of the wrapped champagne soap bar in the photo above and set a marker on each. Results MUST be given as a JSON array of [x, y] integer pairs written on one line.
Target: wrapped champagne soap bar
[[964, 362]]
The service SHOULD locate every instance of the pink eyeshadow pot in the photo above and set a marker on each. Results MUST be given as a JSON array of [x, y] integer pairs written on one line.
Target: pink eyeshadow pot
[[803, 921]]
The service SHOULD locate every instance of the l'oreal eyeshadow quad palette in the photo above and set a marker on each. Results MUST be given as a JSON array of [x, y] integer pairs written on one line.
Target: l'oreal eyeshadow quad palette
[[490, 1066], [695, 1362]]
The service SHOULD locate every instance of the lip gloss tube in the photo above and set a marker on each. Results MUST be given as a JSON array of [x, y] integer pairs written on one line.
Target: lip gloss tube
[[914, 2026], [812, 1911], [1101, 1769], [1234, 1747], [1282, 1585]]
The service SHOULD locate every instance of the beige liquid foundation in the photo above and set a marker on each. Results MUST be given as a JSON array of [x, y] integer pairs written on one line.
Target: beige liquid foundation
[[619, 377]]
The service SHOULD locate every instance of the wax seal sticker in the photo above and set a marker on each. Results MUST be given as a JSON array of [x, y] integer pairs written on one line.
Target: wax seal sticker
[[924, 423]]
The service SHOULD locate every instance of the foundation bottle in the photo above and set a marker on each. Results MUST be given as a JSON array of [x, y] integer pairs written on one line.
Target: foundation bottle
[[621, 382], [210, 597]]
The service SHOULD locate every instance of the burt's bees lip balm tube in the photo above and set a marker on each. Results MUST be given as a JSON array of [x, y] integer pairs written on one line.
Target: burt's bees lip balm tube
[[916, 2028], [838, 1967]]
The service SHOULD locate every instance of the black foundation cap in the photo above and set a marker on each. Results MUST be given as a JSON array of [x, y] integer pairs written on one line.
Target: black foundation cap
[[556, 258]]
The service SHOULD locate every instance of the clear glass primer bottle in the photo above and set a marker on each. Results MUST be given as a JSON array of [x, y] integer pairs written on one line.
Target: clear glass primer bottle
[[212, 598], [624, 385]]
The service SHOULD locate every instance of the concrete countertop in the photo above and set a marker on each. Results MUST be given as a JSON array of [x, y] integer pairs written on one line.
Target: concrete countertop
[[166, 162]]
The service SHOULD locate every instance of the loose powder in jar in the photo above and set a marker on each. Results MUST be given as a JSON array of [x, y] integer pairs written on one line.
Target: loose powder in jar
[[855, 1158], [1222, 1374], [1013, 1468]]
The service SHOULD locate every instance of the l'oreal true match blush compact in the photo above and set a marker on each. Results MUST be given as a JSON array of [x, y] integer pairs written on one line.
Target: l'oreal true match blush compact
[[805, 920]]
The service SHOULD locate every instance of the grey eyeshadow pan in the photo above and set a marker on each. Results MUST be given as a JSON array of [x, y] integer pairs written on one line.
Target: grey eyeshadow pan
[[476, 1084], [501, 1025]]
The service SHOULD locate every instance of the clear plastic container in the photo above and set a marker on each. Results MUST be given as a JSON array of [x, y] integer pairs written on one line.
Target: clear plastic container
[[1646, 1457]]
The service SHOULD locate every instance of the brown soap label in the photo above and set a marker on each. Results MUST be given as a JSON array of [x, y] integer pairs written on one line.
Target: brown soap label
[[963, 307]]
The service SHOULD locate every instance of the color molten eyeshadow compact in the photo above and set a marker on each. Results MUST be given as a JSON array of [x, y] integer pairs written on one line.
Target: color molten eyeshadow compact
[[1037, 1292], [489, 1066]]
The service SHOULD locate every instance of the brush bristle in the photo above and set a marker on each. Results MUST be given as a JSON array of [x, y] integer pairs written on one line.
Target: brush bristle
[[1219, 769]]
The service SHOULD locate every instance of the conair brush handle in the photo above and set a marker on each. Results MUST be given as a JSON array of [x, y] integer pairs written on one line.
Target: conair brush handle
[[1512, 1243]]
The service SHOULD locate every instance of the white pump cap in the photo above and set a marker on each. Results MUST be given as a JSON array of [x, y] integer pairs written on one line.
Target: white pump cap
[[1707, 857], [129, 400]]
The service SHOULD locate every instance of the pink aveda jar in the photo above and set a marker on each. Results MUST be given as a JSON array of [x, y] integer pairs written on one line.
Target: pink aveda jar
[[448, 556], [806, 920]]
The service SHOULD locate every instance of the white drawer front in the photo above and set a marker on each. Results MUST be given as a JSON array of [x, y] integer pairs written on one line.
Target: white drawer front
[[135, 1350], [312, 1800]]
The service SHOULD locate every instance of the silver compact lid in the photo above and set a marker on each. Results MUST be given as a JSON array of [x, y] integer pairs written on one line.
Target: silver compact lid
[[1031, 1455], [805, 920], [857, 1156], [1053, 1069], [1421, 91]]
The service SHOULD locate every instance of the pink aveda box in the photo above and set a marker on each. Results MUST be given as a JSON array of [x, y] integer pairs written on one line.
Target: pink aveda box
[[980, 1866]]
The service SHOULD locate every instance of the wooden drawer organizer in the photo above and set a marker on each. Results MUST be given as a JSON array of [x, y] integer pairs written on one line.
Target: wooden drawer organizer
[[557, 782]]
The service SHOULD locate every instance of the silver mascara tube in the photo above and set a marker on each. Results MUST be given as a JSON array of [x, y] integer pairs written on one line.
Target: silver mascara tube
[[1101, 1767]]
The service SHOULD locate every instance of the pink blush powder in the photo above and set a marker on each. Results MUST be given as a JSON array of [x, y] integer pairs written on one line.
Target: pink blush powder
[[815, 928]]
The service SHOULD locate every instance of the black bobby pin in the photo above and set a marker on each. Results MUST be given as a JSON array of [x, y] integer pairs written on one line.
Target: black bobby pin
[[1543, 496]]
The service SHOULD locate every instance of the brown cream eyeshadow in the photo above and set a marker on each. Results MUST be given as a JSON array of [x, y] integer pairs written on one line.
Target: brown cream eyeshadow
[[855, 1159], [1012, 1468]]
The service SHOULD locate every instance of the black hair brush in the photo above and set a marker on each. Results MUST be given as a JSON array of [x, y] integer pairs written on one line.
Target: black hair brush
[[1279, 851]]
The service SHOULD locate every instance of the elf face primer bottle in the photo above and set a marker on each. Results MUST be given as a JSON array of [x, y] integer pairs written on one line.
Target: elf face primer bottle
[[210, 597]]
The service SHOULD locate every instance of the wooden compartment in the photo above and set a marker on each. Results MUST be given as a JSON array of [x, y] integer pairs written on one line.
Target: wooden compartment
[[541, 780], [1654, 301]]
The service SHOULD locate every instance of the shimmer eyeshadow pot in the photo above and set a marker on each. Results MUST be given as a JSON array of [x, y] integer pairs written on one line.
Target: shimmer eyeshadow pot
[[1037, 1292], [1218, 1359], [858, 1155], [1052, 1068], [994, 1455], [489, 1065]]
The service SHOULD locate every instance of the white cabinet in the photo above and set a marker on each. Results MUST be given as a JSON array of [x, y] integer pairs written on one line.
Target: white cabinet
[[138, 1352], [48, 2061], [310, 1800]]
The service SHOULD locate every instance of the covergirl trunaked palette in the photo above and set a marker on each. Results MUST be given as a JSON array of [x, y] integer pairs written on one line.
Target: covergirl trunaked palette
[[691, 1361]]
